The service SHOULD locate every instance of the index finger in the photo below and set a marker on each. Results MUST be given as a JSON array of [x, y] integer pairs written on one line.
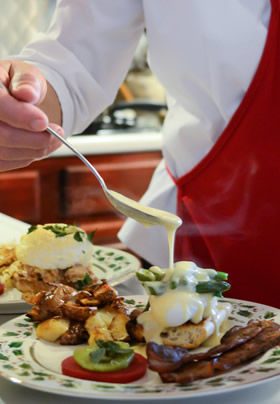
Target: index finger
[[21, 114]]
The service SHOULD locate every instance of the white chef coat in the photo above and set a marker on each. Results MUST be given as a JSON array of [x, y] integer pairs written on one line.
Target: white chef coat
[[204, 52]]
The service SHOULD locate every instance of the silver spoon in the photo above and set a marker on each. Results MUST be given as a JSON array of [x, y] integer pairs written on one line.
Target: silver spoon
[[128, 207]]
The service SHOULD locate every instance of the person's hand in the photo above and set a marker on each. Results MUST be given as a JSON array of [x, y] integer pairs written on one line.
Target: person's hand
[[22, 122]]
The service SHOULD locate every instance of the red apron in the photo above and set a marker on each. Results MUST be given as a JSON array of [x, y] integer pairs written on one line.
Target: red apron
[[230, 201]]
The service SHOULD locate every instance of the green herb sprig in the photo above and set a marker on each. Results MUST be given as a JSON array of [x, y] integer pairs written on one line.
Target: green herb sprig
[[84, 282], [108, 350]]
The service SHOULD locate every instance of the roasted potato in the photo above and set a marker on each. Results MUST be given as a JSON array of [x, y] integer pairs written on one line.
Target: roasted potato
[[135, 331], [118, 327], [103, 292], [99, 333], [93, 321], [90, 301], [101, 319], [52, 329]]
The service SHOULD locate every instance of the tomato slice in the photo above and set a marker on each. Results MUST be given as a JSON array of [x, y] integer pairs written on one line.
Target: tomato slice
[[134, 371], [120, 360], [2, 287]]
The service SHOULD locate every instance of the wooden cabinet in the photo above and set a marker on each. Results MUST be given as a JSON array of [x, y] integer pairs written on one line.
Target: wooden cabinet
[[63, 190], [20, 194]]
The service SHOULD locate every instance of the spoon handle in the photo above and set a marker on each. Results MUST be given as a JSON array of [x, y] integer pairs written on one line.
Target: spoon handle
[[81, 157]]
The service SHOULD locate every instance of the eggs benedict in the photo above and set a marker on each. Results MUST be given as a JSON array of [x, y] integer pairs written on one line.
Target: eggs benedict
[[53, 253], [184, 308]]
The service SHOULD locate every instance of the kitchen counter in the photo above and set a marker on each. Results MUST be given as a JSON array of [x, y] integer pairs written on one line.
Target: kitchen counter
[[112, 143]]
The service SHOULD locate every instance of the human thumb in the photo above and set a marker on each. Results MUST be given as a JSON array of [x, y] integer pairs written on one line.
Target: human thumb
[[27, 83]]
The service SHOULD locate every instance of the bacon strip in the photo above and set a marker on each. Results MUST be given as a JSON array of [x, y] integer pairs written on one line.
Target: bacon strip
[[266, 339], [162, 358], [238, 345], [190, 372]]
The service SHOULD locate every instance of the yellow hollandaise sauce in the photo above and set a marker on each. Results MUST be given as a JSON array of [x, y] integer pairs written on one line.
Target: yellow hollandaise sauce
[[180, 293], [152, 217], [175, 300]]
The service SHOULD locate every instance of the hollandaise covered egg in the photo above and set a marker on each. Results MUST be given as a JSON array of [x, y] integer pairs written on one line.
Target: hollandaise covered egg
[[54, 253], [54, 246], [185, 306]]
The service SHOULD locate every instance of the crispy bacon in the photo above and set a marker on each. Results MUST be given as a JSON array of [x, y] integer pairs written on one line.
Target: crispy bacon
[[162, 358], [189, 372], [238, 345], [266, 339]]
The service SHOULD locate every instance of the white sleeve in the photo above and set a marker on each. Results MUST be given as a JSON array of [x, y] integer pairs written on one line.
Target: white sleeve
[[86, 53]]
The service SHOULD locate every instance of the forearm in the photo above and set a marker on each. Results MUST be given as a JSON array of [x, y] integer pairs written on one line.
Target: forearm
[[51, 106]]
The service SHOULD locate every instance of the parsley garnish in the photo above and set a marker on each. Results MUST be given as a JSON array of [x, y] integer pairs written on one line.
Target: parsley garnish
[[90, 236], [77, 236], [59, 231], [85, 282], [64, 230], [31, 229]]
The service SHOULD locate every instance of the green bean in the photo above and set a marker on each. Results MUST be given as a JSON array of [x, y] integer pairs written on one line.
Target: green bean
[[154, 288], [212, 287], [150, 290], [145, 275], [159, 273], [221, 276]]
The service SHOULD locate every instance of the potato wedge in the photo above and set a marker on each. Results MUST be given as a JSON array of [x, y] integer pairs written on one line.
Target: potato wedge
[[99, 334], [52, 329], [107, 313], [93, 321], [118, 327]]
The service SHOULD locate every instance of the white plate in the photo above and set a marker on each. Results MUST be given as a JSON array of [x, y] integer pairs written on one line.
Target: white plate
[[109, 263], [11, 303], [114, 265], [36, 364], [11, 229]]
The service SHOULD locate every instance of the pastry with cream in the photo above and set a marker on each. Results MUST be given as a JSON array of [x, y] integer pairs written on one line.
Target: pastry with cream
[[53, 253]]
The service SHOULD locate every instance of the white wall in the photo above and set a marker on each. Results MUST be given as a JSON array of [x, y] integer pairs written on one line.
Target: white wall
[[19, 22]]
